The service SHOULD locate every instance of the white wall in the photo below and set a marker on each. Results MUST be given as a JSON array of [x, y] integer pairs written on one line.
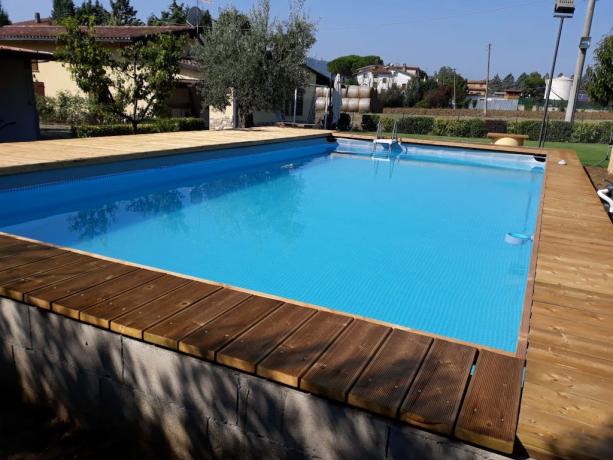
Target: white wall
[[17, 101], [383, 82]]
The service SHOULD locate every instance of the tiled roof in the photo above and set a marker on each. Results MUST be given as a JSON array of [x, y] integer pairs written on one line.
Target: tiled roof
[[48, 32]]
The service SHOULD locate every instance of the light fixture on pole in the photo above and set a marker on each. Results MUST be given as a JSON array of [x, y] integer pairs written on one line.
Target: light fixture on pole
[[563, 9]]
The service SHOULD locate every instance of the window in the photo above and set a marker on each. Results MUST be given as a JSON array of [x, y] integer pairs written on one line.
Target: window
[[289, 105], [34, 65], [39, 88]]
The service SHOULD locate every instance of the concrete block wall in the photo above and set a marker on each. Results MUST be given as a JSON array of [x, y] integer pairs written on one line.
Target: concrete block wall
[[194, 408]]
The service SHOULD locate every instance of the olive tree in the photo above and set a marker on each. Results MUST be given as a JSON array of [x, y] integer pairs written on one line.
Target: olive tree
[[599, 82], [254, 59]]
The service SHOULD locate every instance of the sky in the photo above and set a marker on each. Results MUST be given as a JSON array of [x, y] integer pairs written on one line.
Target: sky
[[424, 33]]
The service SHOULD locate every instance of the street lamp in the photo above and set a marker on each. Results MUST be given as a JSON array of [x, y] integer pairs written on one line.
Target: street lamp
[[563, 9]]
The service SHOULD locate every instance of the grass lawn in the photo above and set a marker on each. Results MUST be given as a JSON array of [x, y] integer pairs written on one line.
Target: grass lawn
[[590, 154]]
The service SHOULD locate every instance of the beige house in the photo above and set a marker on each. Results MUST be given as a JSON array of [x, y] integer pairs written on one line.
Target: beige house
[[51, 77]]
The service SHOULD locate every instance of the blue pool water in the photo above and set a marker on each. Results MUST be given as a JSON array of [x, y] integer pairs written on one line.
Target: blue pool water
[[418, 242]]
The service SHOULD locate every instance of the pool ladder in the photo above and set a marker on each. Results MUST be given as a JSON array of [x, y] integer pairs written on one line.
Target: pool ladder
[[380, 140]]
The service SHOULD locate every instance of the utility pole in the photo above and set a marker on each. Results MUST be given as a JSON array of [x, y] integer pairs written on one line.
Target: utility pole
[[584, 44], [487, 79]]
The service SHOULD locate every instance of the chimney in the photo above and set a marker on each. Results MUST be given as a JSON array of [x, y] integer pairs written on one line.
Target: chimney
[[37, 17]]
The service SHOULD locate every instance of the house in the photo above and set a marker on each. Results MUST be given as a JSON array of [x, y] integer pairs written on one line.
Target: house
[[51, 77], [18, 114], [475, 88], [383, 77]]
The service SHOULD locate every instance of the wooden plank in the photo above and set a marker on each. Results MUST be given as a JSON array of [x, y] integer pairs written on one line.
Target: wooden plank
[[433, 402], [385, 382], [334, 372], [29, 270], [221, 331], [136, 321], [73, 305], [291, 359], [17, 289], [169, 332], [41, 155], [577, 298], [251, 347], [103, 313], [45, 296], [7, 241], [490, 410], [26, 253]]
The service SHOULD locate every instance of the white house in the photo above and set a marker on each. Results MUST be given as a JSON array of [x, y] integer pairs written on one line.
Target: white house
[[383, 77]]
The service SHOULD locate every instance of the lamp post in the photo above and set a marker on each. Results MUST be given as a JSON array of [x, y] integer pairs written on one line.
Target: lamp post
[[563, 9]]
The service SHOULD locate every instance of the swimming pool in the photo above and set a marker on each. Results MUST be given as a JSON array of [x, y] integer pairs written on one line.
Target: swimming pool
[[418, 241]]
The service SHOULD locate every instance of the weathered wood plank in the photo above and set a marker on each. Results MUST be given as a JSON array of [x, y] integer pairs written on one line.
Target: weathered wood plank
[[29, 270], [72, 305], [433, 402], [103, 313], [251, 347], [334, 372], [490, 410], [17, 289], [221, 331], [168, 332], [45, 296], [26, 253], [294, 356], [136, 321], [385, 382]]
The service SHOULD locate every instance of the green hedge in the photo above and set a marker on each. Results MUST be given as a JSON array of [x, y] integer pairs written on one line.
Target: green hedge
[[558, 131], [162, 125]]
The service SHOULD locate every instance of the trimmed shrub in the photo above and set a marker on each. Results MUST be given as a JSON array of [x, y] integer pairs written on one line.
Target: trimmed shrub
[[439, 126], [598, 133], [557, 131], [495, 126], [415, 125], [161, 125], [344, 122], [369, 122], [387, 124]]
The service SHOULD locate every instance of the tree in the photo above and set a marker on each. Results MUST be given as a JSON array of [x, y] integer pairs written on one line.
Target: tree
[[255, 59], [445, 77], [131, 83], [62, 9], [520, 80], [4, 17], [508, 82], [123, 14], [599, 83], [495, 84], [437, 98], [393, 97], [533, 86], [95, 10], [347, 66], [175, 14]]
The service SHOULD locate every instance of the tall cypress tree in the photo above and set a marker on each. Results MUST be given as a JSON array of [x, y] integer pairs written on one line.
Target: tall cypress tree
[[62, 9], [96, 10], [124, 14], [4, 17]]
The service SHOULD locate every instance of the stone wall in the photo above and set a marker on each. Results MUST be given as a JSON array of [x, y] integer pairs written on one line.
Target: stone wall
[[193, 408]]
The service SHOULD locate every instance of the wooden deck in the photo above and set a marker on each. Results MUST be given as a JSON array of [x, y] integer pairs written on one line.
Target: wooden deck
[[567, 402], [429, 382], [407, 376], [18, 157]]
